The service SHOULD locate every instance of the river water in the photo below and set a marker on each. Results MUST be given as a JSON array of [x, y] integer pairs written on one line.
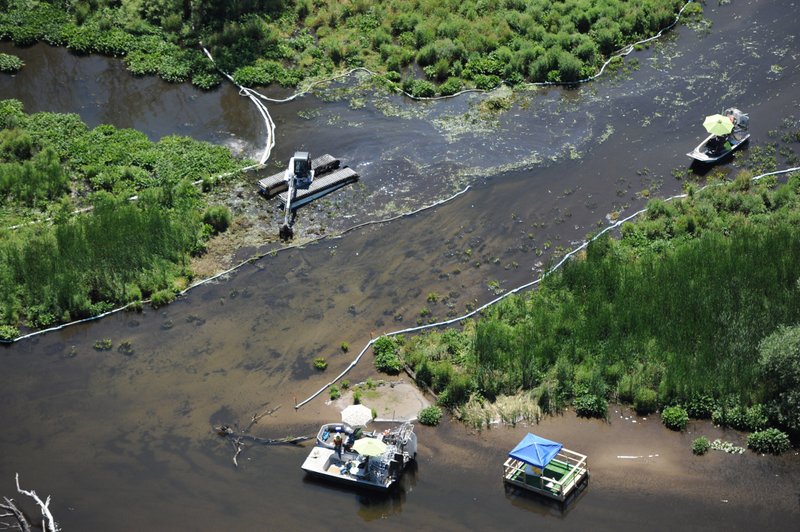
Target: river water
[[125, 442]]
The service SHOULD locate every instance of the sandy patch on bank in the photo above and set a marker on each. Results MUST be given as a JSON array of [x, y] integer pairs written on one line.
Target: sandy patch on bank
[[398, 400]]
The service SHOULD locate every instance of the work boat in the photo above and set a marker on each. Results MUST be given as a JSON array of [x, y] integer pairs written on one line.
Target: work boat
[[728, 132], [350, 456]]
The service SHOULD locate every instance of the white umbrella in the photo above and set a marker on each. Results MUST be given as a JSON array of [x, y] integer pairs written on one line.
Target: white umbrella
[[356, 415]]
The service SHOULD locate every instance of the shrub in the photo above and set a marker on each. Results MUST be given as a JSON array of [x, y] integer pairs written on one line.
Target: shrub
[[357, 397], [590, 405], [218, 217], [334, 393], [675, 417], [772, 441], [430, 416], [644, 401], [345, 384], [345, 347], [700, 446], [386, 357], [320, 364]]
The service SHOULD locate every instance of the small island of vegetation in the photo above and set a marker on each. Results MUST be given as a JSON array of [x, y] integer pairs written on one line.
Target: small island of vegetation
[[426, 46], [94, 218]]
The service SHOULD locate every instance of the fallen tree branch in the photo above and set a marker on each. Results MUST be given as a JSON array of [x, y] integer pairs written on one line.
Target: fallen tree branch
[[48, 522], [239, 439], [12, 511]]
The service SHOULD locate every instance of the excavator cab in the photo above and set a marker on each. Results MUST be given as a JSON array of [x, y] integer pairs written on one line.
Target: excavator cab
[[301, 169]]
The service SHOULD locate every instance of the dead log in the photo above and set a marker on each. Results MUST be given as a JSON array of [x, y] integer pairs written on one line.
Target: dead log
[[11, 510], [239, 439]]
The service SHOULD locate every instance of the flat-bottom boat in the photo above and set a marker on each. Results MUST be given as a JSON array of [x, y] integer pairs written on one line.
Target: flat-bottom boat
[[712, 150], [716, 147], [342, 463]]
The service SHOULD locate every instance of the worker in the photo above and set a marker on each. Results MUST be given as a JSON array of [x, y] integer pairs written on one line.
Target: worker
[[337, 444]]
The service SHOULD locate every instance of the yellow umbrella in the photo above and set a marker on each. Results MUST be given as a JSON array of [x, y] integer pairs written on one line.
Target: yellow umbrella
[[369, 447], [718, 125]]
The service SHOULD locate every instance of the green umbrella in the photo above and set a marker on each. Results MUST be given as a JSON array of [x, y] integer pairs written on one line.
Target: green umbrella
[[369, 447], [718, 125]]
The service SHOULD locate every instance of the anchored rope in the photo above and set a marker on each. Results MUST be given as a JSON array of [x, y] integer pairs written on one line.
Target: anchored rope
[[520, 288]]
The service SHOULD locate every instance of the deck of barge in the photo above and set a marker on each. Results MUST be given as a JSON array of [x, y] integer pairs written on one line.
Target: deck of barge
[[320, 186], [275, 184], [557, 480]]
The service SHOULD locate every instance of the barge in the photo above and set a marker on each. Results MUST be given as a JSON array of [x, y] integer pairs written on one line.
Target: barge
[[545, 467]]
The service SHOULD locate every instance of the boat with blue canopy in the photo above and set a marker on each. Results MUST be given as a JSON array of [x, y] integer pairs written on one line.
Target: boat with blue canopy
[[543, 466]]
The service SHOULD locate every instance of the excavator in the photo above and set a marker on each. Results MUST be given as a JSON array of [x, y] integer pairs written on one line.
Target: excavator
[[303, 181]]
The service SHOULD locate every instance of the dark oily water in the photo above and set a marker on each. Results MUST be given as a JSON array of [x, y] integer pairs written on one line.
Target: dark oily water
[[124, 440]]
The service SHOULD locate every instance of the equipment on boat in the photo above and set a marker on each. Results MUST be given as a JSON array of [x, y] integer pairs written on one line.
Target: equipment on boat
[[304, 181], [728, 132]]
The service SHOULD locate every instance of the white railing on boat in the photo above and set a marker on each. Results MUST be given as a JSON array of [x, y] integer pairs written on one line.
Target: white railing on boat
[[521, 474]]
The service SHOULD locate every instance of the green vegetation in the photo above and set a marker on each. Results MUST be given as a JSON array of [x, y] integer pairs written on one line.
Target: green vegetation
[[693, 307], [104, 345], [769, 441], [320, 364], [345, 347], [590, 405], [334, 392], [10, 63], [700, 446], [386, 355], [430, 416], [455, 43], [675, 418], [118, 251]]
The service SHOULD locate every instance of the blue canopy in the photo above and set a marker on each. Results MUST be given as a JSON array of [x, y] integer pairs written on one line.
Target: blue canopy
[[535, 451]]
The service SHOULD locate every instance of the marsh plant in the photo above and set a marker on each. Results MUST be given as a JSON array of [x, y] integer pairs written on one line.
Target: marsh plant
[[630, 320], [700, 446], [479, 413], [675, 418], [430, 415], [769, 441], [334, 393]]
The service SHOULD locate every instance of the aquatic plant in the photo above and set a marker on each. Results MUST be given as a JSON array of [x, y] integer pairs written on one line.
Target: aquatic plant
[[700, 446], [726, 446], [674, 418], [769, 441], [104, 345], [430, 415], [10, 63]]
